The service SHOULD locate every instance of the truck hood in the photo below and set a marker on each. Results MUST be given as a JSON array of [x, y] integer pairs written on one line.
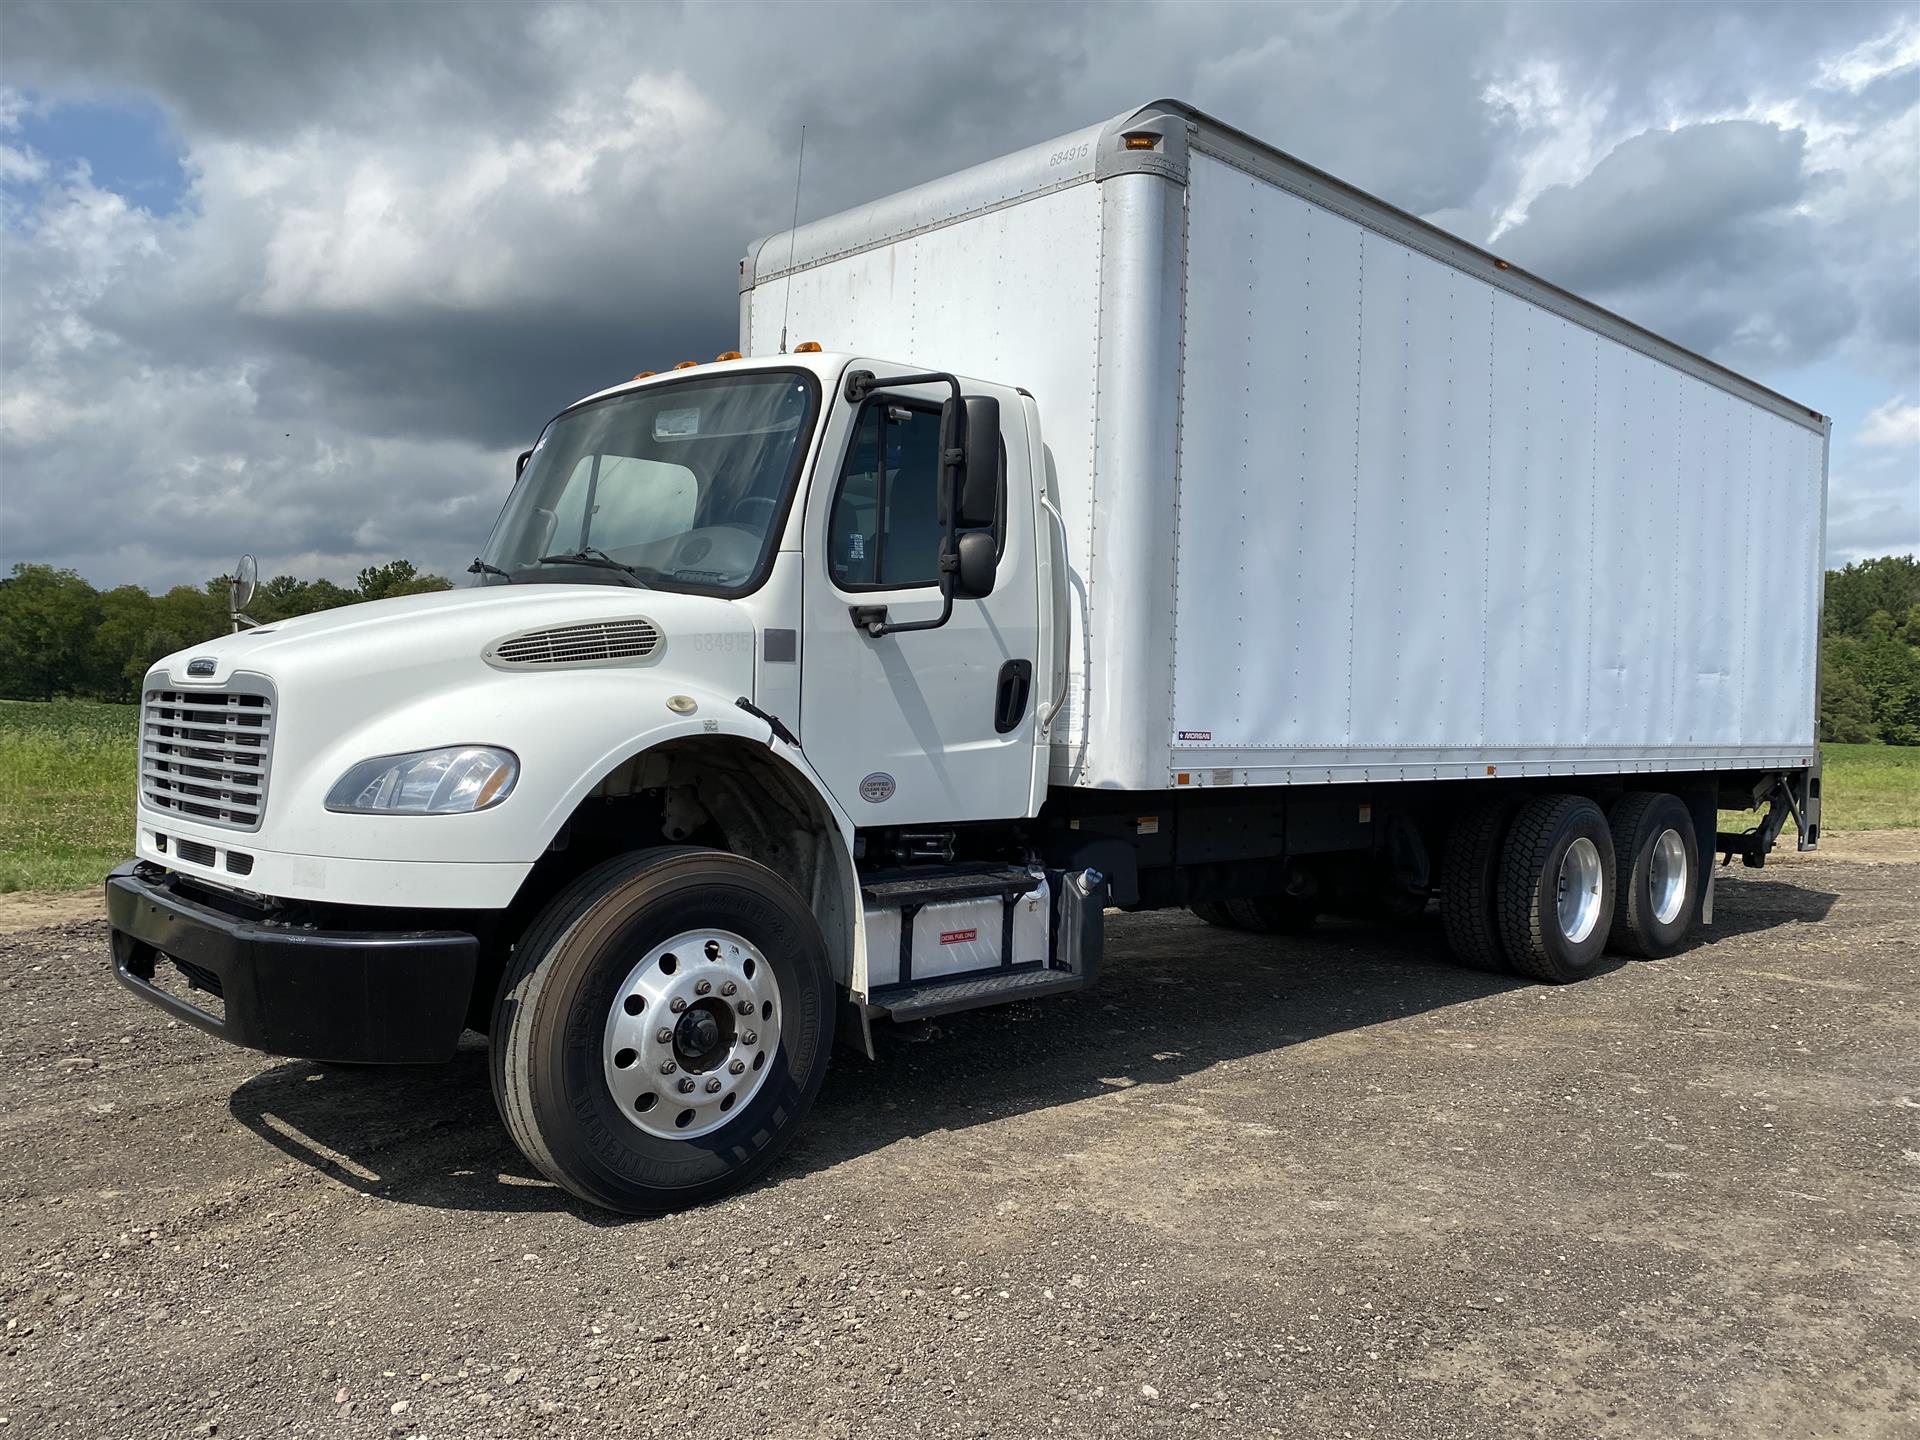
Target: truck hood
[[422, 636]]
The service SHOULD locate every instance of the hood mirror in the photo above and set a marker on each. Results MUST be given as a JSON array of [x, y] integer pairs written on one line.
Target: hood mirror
[[240, 591]]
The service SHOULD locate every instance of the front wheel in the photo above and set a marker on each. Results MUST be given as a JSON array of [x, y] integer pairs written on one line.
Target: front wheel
[[662, 1029]]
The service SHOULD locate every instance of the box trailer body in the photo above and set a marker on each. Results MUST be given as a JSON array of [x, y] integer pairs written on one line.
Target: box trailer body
[[1348, 499], [1145, 519]]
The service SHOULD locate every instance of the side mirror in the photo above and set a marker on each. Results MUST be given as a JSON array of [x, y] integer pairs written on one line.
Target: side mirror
[[246, 578], [973, 574], [520, 465], [972, 428]]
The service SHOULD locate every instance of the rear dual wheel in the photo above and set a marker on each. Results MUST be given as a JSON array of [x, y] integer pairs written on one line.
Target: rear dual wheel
[[1553, 893], [1657, 860], [662, 1029]]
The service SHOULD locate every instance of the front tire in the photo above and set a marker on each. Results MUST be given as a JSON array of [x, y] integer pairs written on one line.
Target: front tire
[[1554, 899], [1657, 859], [626, 1064]]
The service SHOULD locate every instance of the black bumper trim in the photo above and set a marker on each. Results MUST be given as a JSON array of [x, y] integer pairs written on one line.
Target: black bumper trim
[[394, 997]]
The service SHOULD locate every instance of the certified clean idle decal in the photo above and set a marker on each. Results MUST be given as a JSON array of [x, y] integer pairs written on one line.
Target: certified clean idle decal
[[877, 787]]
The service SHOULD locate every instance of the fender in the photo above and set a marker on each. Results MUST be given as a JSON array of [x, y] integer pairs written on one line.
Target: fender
[[716, 716]]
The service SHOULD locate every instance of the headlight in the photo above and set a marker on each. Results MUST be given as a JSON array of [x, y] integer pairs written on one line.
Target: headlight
[[453, 781]]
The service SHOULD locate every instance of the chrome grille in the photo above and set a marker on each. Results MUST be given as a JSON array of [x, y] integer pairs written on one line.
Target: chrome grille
[[598, 642], [204, 754]]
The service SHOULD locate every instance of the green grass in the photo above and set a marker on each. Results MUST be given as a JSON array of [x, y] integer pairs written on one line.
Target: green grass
[[66, 792], [1870, 787], [67, 781]]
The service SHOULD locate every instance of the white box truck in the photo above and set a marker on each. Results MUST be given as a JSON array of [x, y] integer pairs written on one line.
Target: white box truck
[[1147, 519]]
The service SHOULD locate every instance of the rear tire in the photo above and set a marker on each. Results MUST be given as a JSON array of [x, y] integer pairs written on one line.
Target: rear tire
[[1273, 914], [1554, 899], [1657, 860], [1468, 884], [609, 965]]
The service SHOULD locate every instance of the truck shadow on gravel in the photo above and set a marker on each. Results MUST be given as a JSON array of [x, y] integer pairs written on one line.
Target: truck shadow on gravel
[[1175, 997]]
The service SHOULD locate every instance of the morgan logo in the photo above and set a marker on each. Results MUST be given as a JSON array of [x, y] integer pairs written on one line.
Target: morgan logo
[[955, 937], [201, 667], [877, 787]]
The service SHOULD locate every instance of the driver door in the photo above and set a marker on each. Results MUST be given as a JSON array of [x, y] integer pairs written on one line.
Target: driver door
[[927, 726]]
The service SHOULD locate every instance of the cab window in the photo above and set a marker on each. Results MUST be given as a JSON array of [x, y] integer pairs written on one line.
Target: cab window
[[885, 530]]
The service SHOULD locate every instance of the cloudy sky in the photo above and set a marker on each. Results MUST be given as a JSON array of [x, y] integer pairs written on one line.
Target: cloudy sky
[[302, 278]]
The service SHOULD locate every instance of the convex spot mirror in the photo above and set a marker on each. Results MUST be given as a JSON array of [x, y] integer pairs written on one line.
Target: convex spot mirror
[[246, 579], [973, 575], [972, 428]]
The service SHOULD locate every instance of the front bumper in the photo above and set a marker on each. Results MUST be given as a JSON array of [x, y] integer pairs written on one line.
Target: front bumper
[[392, 997]]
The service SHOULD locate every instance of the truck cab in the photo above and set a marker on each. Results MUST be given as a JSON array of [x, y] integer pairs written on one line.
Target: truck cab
[[777, 630]]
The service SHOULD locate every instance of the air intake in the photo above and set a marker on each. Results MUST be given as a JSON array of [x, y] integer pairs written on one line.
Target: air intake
[[600, 642]]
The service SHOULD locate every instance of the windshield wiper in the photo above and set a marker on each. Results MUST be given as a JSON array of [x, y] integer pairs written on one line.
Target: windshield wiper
[[481, 567], [596, 559]]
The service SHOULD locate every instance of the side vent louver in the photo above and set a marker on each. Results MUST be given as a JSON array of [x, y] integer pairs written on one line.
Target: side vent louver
[[599, 642]]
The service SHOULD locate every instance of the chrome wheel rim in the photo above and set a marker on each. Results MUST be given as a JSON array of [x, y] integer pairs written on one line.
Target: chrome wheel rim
[[1667, 876], [691, 1034], [1578, 890]]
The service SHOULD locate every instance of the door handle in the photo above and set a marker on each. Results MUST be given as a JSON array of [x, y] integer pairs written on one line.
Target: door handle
[[1010, 700]]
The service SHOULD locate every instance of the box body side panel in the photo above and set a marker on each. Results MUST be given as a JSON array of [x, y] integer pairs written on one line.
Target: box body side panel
[[1428, 527]]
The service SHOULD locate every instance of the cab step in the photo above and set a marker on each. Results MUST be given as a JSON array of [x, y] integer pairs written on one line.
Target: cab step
[[924, 999], [933, 884]]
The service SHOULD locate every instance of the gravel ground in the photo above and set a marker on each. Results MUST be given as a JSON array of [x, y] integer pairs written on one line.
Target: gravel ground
[[1325, 1187]]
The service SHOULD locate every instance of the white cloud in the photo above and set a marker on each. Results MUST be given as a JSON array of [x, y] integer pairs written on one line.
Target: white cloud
[[1893, 425], [1886, 54]]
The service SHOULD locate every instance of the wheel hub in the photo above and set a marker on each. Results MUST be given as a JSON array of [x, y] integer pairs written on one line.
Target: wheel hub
[[1578, 890], [1667, 876], [691, 1033]]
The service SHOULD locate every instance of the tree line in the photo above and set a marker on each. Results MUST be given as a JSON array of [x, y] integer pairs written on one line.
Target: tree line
[[61, 636], [1870, 652]]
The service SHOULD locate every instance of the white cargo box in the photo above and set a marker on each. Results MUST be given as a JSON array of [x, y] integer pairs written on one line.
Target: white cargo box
[[1348, 499]]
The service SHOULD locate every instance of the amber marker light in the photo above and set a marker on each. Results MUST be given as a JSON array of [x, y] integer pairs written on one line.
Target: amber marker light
[[1141, 140], [688, 365], [646, 374], [728, 355], [807, 347]]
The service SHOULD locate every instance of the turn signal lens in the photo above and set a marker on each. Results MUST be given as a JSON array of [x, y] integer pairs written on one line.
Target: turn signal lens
[[728, 355], [688, 365], [807, 347]]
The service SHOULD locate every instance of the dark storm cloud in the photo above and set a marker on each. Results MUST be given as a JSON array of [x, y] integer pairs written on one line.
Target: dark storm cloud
[[413, 232]]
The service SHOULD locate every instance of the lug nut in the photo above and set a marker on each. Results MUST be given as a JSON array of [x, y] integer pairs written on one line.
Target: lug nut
[[750, 1038], [713, 1086], [678, 1005], [664, 1034], [735, 1067], [703, 987], [745, 1007], [686, 1086], [728, 988], [667, 1067]]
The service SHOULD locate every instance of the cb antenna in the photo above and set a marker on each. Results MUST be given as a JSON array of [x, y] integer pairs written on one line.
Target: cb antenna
[[799, 169]]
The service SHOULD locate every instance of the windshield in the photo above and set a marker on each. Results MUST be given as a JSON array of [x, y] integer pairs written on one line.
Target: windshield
[[679, 486]]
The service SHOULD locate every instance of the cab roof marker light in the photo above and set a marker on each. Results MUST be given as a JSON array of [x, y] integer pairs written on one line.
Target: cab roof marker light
[[727, 355], [645, 375], [807, 347], [688, 365]]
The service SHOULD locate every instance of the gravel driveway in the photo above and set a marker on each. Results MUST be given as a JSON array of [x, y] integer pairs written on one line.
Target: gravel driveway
[[1246, 1186]]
